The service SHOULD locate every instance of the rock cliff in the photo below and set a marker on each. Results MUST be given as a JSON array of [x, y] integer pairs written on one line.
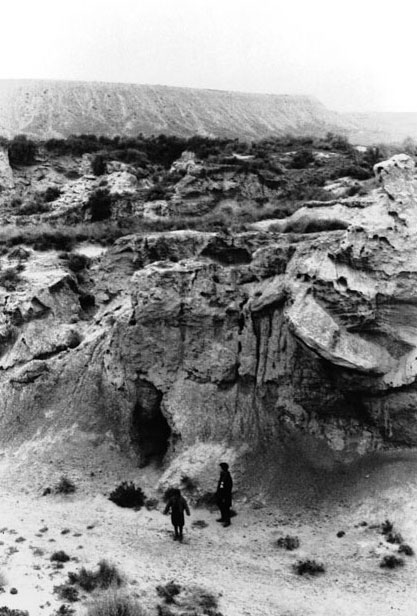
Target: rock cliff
[[186, 346]]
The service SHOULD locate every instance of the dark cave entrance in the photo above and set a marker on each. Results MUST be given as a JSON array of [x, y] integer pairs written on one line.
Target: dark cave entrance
[[150, 432]]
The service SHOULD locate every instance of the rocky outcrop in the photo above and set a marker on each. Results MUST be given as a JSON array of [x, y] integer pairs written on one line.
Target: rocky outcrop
[[6, 173], [187, 345]]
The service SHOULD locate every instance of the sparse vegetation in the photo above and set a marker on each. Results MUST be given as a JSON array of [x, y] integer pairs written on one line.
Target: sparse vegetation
[[187, 601], [105, 576], [60, 556], [99, 205], [387, 527], [288, 542], [64, 610], [7, 611], [10, 277], [67, 592], [169, 591], [394, 538], [390, 561], [309, 567], [21, 151], [406, 549], [128, 495], [115, 604], [65, 486]]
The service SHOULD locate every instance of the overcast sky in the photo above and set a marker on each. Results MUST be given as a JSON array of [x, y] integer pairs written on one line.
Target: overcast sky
[[354, 55]]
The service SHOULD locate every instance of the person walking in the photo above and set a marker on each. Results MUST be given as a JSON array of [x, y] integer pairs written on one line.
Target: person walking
[[177, 505], [224, 494]]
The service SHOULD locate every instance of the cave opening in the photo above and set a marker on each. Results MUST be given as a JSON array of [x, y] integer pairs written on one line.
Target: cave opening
[[150, 432]]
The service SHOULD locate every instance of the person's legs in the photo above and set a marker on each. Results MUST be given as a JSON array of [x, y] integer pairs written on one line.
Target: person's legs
[[176, 532], [226, 514], [221, 507], [180, 532]]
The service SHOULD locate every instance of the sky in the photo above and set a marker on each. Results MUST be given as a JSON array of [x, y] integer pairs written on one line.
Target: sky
[[353, 55]]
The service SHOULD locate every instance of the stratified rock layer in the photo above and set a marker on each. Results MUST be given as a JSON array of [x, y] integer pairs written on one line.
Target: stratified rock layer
[[193, 345]]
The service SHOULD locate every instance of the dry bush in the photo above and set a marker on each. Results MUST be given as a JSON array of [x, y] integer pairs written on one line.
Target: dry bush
[[67, 592], [387, 527], [310, 567], [107, 575], [128, 495], [64, 610], [288, 542], [391, 562], [406, 549], [394, 538], [10, 277], [65, 486], [115, 604], [169, 591], [60, 556]]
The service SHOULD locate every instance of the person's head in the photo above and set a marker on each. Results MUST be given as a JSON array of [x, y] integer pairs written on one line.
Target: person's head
[[176, 492], [224, 466]]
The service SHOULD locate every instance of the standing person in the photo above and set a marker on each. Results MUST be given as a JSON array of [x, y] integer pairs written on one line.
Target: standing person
[[177, 504], [224, 494]]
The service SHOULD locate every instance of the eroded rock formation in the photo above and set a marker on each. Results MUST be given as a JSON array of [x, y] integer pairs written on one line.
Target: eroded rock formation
[[189, 345]]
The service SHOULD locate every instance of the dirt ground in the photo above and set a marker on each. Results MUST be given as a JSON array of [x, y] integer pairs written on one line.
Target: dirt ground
[[241, 564]]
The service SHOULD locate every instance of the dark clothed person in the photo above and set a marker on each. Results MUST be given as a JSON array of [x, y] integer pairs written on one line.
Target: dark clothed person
[[224, 494], [177, 505]]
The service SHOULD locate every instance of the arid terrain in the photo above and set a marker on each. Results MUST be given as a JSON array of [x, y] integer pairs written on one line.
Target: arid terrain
[[171, 303], [241, 565]]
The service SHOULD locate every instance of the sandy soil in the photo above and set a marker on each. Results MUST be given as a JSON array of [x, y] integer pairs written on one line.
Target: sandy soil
[[242, 564]]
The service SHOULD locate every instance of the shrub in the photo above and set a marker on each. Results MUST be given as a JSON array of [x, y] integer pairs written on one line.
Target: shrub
[[99, 205], [311, 567], [307, 224], [391, 562], [98, 165], [288, 542], [21, 151], [51, 194], [386, 527], [10, 278], [67, 592], [60, 557], [107, 575], [406, 549], [169, 591], [394, 538], [65, 486], [302, 159], [7, 611], [64, 610], [128, 495], [115, 604], [77, 263]]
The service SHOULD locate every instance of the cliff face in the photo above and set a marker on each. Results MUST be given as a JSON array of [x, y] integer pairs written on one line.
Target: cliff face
[[186, 346], [46, 109]]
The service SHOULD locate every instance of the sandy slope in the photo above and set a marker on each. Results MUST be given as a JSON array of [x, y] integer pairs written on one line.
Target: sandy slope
[[252, 576]]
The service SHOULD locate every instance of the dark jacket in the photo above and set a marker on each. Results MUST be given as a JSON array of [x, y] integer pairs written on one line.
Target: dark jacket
[[224, 487], [177, 505]]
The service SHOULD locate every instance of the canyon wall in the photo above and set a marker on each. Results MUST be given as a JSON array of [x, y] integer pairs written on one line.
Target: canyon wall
[[190, 346]]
